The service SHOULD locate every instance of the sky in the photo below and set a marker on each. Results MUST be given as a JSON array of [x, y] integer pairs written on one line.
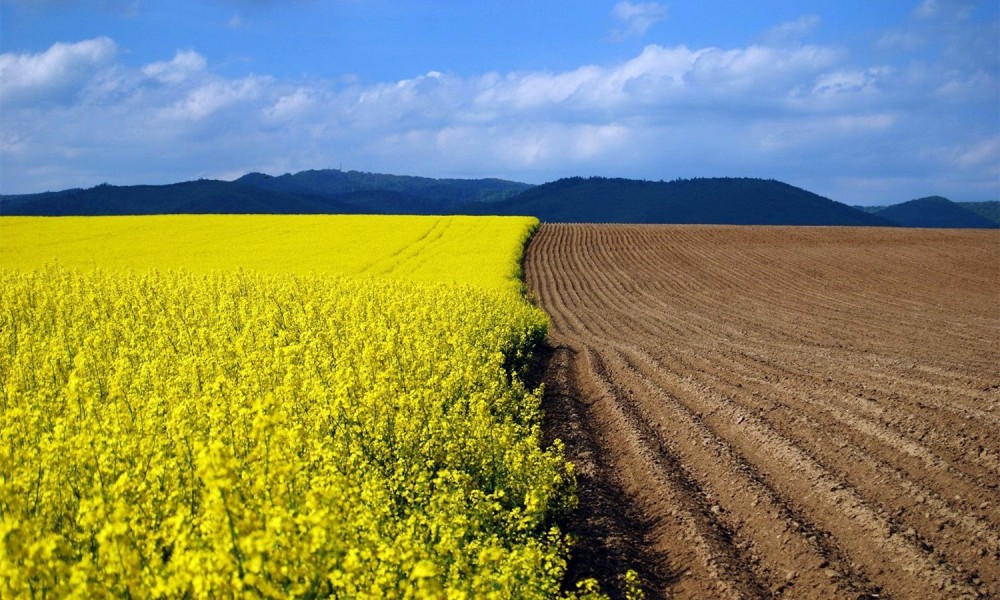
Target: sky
[[864, 102]]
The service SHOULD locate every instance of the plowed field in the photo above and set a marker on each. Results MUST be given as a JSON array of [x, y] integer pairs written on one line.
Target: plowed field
[[808, 412]]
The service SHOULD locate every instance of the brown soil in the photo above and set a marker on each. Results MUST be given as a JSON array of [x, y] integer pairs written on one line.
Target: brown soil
[[770, 411]]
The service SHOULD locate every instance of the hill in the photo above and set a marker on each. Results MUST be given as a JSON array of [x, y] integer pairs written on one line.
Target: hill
[[732, 201], [191, 197], [307, 192], [935, 212], [989, 209], [425, 191]]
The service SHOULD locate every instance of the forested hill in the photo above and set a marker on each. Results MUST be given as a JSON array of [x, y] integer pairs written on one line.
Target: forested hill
[[191, 197], [734, 201], [334, 183], [307, 192], [989, 209], [938, 212]]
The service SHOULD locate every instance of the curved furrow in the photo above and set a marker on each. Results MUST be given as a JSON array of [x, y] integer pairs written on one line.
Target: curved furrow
[[543, 262], [696, 542], [590, 298], [546, 267]]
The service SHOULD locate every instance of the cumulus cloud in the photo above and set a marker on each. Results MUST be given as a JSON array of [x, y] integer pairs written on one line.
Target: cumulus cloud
[[185, 64], [210, 98], [54, 75], [636, 18], [292, 106], [662, 75]]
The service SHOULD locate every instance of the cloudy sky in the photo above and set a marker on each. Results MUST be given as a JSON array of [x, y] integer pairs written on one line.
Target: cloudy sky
[[865, 102]]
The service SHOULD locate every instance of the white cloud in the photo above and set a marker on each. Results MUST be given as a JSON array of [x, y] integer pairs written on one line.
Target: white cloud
[[532, 90], [985, 152], [292, 106], [184, 64], [760, 67], [838, 83], [508, 147], [54, 75], [593, 141], [662, 74], [636, 18], [212, 97]]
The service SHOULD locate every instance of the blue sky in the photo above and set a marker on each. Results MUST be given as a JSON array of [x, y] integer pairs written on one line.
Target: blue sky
[[863, 102]]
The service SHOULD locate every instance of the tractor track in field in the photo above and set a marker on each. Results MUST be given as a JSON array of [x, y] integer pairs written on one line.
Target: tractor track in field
[[775, 411]]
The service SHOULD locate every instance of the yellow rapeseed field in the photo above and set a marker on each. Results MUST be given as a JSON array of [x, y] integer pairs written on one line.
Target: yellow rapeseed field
[[482, 251], [264, 406]]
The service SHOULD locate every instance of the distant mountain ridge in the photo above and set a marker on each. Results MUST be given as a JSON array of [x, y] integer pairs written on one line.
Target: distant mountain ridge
[[719, 200], [424, 191], [306, 192], [939, 212], [191, 197]]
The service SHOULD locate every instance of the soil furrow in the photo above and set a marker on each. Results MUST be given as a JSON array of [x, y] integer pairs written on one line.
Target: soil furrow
[[641, 461], [757, 412], [864, 534], [807, 418], [843, 411], [777, 539]]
